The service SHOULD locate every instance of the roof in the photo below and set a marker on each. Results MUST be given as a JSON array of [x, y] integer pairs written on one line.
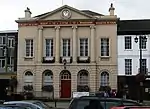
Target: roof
[[86, 12], [23, 102], [9, 31], [103, 98], [139, 26], [92, 13]]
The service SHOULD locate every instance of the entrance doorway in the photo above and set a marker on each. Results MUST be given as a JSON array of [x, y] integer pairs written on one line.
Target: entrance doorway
[[65, 84], [3, 92]]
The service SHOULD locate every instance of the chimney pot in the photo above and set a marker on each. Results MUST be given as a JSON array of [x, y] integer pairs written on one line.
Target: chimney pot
[[28, 13]]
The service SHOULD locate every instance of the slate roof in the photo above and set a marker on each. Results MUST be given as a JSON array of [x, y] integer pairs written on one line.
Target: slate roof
[[92, 13], [140, 26]]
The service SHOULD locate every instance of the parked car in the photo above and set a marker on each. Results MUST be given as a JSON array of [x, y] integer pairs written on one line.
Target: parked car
[[25, 103], [87, 102], [39, 103], [131, 107], [4, 106]]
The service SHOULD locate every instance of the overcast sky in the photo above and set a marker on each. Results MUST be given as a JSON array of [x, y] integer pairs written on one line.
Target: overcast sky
[[11, 10]]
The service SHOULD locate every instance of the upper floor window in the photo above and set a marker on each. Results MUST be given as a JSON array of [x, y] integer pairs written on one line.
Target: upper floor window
[[29, 47], [2, 40], [84, 47], [128, 42], [144, 65], [128, 66], [2, 63], [104, 46], [143, 44], [49, 47], [66, 47], [2, 52], [11, 42], [10, 61]]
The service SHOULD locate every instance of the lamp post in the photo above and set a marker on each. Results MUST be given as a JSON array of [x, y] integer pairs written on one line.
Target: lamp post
[[141, 40]]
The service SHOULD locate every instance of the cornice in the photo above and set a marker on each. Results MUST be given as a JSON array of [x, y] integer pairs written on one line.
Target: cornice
[[67, 22]]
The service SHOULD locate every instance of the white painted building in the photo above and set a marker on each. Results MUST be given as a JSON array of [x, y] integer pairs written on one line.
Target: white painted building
[[128, 55]]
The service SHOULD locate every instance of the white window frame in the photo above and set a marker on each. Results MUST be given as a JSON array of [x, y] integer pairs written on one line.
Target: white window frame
[[31, 51], [48, 80], [1, 63], [82, 78], [84, 47], [105, 48], [128, 67], [51, 45], [67, 48], [143, 44], [28, 79], [129, 43], [104, 78], [12, 42], [2, 41]]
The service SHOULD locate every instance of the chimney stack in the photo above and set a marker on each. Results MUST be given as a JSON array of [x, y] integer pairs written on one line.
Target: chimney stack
[[27, 13], [111, 10]]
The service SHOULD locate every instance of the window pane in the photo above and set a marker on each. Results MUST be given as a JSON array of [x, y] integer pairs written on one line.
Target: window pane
[[87, 104], [144, 66], [105, 47], [2, 63], [128, 66], [143, 43], [84, 47], [29, 47], [1, 40], [66, 47], [128, 42], [104, 79]]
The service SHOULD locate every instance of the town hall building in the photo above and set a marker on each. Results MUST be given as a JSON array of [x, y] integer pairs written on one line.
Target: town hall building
[[67, 50]]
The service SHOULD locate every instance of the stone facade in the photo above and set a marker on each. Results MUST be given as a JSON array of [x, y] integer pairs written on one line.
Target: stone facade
[[78, 24]]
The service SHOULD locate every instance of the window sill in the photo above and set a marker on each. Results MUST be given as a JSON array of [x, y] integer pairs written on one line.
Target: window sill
[[83, 58], [48, 58], [128, 50], [67, 58], [28, 58], [104, 57], [144, 50]]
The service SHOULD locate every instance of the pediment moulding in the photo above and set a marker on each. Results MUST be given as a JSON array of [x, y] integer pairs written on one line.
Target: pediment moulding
[[67, 15]]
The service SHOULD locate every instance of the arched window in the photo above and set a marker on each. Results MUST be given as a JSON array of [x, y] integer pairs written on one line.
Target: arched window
[[82, 78], [28, 78], [104, 79], [47, 77]]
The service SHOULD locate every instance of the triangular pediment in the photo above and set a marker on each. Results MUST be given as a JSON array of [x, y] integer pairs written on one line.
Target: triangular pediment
[[64, 12]]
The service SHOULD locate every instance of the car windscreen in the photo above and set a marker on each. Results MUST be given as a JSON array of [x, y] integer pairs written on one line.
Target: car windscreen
[[86, 104], [12, 107], [41, 104], [108, 104]]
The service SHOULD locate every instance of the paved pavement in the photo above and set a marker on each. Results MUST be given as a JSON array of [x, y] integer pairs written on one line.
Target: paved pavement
[[64, 104]]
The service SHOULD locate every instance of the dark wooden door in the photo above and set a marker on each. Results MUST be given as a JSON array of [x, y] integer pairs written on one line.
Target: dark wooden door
[[65, 88]]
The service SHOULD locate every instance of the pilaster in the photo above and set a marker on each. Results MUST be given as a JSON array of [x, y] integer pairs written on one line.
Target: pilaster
[[57, 50], [40, 44], [92, 43], [74, 48]]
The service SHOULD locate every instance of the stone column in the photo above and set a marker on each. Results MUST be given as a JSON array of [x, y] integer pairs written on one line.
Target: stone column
[[74, 48], [40, 45], [57, 49], [92, 43]]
